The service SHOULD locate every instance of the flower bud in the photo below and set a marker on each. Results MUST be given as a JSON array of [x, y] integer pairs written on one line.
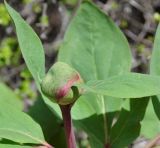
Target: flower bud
[[58, 83]]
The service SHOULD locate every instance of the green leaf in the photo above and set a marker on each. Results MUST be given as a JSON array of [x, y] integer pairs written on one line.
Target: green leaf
[[96, 49], [132, 85], [9, 97], [150, 124], [127, 127], [19, 127], [32, 51], [89, 45], [30, 45]]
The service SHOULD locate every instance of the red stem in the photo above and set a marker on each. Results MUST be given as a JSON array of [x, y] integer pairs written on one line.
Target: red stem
[[69, 132], [107, 145]]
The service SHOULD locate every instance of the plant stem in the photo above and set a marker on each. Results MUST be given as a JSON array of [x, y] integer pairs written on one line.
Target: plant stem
[[69, 132]]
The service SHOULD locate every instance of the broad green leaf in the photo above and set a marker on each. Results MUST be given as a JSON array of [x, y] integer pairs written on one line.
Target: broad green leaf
[[150, 124], [96, 48], [94, 45], [32, 51], [127, 127], [131, 85], [9, 97], [19, 127], [49, 122], [30, 45]]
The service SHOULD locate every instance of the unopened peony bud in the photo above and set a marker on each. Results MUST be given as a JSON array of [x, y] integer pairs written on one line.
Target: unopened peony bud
[[58, 84]]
